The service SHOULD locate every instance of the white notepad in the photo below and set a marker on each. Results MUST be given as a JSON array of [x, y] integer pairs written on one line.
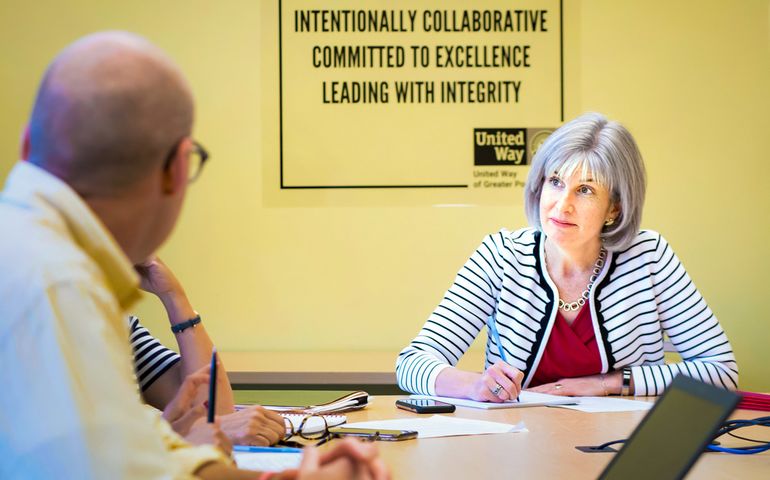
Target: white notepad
[[526, 399], [266, 461]]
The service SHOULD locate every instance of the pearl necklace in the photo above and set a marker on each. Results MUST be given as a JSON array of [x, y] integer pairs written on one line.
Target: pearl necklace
[[569, 307]]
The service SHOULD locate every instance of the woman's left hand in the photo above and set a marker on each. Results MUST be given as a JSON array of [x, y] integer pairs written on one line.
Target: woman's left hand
[[158, 279], [591, 386]]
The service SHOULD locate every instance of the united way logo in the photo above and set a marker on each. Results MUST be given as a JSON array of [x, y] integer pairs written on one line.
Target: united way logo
[[500, 146], [507, 146]]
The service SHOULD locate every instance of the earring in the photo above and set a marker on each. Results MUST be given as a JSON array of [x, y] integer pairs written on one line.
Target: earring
[[609, 222]]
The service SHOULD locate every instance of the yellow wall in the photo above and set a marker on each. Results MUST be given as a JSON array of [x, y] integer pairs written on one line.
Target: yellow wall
[[690, 79]]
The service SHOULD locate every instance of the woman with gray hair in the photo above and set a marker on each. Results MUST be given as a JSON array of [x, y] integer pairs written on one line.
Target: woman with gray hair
[[578, 303]]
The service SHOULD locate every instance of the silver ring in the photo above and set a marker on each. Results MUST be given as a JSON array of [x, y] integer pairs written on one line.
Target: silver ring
[[558, 386], [496, 391]]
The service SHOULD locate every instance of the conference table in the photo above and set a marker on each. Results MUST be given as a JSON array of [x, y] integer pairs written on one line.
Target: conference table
[[546, 450]]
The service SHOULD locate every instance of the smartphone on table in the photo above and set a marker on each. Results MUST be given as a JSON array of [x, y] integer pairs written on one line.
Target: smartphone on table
[[424, 405], [373, 433]]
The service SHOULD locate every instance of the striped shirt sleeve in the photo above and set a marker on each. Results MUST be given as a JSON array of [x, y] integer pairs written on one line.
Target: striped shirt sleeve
[[456, 321], [151, 358], [691, 327]]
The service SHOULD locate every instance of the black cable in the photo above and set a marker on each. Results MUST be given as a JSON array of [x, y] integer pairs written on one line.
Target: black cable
[[729, 426], [726, 429], [747, 439], [608, 444]]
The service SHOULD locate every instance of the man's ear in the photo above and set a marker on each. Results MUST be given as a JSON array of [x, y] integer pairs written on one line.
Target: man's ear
[[175, 173], [25, 144]]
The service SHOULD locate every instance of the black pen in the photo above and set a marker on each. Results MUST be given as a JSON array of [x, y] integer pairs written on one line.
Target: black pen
[[213, 386]]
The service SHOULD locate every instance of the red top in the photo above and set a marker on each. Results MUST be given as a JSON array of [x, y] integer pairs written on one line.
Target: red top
[[571, 350]]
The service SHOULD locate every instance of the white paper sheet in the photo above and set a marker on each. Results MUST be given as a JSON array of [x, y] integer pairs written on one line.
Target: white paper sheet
[[267, 462], [608, 404], [526, 399], [441, 426]]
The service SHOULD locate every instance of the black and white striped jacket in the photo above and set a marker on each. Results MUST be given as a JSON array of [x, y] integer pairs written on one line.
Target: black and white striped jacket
[[151, 358], [640, 294]]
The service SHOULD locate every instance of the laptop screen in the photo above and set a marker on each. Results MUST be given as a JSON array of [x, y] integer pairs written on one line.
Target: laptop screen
[[674, 433]]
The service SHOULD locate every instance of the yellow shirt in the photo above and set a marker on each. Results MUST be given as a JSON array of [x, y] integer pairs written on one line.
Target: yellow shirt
[[69, 403]]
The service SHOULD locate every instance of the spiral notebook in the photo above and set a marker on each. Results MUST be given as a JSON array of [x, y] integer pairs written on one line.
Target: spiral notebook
[[328, 405], [351, 401]]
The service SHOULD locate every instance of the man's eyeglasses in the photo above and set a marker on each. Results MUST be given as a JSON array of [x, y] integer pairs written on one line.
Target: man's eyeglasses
[[199, 154], [312, 427], [316, 427]]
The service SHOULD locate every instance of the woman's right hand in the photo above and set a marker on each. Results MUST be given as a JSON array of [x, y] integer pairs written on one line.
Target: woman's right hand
[[181, 412], [501, 375], [481, 387]]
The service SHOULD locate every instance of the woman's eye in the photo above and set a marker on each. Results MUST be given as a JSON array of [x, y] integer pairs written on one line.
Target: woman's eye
[[585, 190], [554, 181]]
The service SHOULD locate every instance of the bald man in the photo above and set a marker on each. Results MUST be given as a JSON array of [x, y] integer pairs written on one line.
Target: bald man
[[109, 156]]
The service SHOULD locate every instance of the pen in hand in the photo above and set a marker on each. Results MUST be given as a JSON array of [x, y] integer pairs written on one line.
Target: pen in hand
[[493, 333], [212, 387]]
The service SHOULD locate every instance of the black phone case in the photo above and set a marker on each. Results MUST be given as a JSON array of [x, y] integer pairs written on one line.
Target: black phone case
[[425, 408]]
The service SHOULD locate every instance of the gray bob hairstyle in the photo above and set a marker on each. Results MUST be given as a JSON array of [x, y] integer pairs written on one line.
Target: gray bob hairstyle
[[607, 151]]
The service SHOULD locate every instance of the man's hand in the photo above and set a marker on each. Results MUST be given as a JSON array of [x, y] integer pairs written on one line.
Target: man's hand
[[254, 426], [350, 459], [203, 433]]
